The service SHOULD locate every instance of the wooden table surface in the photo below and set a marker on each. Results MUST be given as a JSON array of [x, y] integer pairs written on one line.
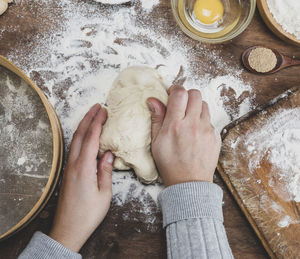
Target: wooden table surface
[[116, 238]]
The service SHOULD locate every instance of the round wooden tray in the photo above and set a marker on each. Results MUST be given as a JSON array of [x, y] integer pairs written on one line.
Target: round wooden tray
[[273, 25], [50, 191], [57, 152]]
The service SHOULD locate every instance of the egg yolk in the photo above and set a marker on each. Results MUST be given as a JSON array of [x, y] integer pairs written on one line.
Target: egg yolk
[[208, 11]]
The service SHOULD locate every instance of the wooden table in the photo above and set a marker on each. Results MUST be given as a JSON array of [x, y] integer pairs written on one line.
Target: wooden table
[[131, 239]]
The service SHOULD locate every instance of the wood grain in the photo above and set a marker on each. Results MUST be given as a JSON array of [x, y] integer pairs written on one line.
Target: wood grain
[[255, 196], [114, 238]]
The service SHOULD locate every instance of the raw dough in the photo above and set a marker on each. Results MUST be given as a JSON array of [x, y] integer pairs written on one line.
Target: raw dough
[[4, 5], [127, 131]]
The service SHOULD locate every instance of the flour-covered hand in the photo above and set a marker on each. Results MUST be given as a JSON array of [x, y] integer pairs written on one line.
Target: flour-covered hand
[[86, 189]]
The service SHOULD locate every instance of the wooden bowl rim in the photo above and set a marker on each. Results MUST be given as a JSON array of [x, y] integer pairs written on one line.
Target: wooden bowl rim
[[273, 25], [57, 144]]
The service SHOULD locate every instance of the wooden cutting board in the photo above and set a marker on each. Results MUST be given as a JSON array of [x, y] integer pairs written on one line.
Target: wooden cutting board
[[252, 163]]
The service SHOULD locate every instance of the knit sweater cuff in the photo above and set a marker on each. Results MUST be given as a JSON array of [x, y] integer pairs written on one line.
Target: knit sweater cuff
[[42, 246], [191, 200]]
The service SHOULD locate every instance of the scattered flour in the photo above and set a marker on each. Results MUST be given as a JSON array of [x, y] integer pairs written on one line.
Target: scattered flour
[[112, 1], [286, 13], [282, 150], [76, 65], [284, 222], [25, 150], [21, 160], [24, 143], [147, 5]]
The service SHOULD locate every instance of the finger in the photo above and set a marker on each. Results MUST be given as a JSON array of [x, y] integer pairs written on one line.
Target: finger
[[158, 111], [205, 114], [194, 106], [105, 167], [177, 103], [90, 145], [81, 131], [171, 88]]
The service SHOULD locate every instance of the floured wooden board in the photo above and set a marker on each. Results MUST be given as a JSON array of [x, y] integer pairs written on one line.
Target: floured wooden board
[[26, 151], [260, 163]]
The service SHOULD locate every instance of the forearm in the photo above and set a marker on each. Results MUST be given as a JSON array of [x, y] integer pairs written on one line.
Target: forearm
[[43, 247], [193, 218]]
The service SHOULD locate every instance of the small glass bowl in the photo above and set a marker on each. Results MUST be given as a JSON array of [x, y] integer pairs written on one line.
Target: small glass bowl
[[237, 16]]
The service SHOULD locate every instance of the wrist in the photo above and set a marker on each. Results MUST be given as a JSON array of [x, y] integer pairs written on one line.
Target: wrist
[[191, 200], [69, 241]]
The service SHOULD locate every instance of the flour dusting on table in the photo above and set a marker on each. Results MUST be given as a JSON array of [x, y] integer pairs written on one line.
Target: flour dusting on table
[[281, 148], [147, 5], [112, 1], [76, 64]]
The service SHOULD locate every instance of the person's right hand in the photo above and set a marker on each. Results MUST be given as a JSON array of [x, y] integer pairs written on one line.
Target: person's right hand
[[185, 146], [86, 189]]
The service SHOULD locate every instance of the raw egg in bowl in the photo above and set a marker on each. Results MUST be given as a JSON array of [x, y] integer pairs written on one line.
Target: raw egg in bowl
[[213, 21]]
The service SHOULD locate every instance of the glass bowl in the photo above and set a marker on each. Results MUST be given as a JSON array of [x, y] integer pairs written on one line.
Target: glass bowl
[[237, 16]]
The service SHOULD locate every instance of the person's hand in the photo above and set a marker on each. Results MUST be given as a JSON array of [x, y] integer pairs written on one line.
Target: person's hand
[[86, 189], [185, 146]]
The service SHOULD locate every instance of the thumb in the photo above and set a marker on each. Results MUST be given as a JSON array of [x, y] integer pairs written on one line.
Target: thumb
[[158, 111], [104, 171]]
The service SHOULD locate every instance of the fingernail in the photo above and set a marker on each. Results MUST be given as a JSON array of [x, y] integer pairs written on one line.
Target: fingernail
[[109, 157], [173, 87], [95, 105], [169, 89], [151, 106]]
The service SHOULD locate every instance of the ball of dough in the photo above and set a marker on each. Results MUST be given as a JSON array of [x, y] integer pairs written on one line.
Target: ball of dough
[[127, 131], [4, 5]]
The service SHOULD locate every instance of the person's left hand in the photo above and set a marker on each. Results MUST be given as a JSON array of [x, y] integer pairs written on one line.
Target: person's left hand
[[86, 189]]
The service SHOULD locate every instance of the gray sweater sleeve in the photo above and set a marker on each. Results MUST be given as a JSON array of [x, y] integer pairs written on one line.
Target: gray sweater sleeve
[[43, 247], [193, 218]]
